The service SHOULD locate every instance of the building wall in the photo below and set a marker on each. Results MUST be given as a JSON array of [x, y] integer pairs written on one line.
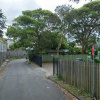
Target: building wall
[[9, 42]]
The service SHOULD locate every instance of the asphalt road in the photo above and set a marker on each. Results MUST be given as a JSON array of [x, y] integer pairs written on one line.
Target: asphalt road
[[23, 82]]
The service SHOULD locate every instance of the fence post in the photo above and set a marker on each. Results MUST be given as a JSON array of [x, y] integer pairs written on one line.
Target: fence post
[[57, 66], [40, 61], [53, 65]]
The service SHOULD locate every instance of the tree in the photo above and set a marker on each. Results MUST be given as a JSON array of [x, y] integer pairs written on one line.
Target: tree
[[47, 20], [61, 12], [48, 41], [22, 37], [27, 29], [2, 22], [85, 23]]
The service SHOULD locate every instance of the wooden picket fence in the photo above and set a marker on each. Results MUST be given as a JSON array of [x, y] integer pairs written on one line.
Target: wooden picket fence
[[78, 74]]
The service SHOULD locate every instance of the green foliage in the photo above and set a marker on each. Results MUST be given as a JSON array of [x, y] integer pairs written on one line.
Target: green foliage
[[2, 22], [89, 51], [24, 20], [28, 29], [62, 27], [3, 40], [47, 41], [40, 28], [97, 53], [22, 37], [74, 50], [61, 12], [72, 44], [93, 5], [85, 24], [77, 50], [98, 45]]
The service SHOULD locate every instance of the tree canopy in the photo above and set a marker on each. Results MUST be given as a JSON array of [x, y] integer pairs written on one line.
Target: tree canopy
[[43, 29], [2, 22], [48, 41], [62, 12], [85, 24], [35, 28]]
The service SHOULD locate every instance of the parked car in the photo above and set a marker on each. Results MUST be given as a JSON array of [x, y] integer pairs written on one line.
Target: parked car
[[79, 59]]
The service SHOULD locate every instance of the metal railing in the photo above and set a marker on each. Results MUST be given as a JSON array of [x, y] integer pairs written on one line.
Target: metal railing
[[36, 59]]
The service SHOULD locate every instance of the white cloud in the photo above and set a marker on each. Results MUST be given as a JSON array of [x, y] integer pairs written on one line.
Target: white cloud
[[13, 8], [51, 5]]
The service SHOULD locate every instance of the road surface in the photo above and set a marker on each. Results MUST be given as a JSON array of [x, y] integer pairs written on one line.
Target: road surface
[[23, 82]]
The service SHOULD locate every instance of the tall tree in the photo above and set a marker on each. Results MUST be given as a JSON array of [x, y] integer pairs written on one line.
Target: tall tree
[[29, 27], [61, 12], [85, 23], [48, 19], [2, 22], [48, 41]]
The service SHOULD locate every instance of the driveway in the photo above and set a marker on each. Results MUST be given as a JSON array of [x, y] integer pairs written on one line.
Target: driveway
[[23, 82]]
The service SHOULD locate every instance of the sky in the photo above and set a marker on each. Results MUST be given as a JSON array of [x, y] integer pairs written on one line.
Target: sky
[[13, 8]]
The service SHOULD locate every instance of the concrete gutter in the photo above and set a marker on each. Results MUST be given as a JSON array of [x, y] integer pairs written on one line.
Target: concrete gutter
[[52, 79]]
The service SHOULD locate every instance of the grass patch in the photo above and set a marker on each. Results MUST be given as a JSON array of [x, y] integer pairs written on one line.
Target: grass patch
[[77, 91]]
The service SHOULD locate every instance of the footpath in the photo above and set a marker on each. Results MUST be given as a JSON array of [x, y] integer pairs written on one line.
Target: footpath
[[48, 70], [69, 91]]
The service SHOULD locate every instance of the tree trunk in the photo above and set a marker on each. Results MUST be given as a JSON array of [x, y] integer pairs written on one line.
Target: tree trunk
[[83, 48], [59, 45]]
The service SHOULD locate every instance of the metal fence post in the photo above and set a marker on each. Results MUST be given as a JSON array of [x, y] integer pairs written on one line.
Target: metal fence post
[[40, 61], [57, 66], [53, 65]]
